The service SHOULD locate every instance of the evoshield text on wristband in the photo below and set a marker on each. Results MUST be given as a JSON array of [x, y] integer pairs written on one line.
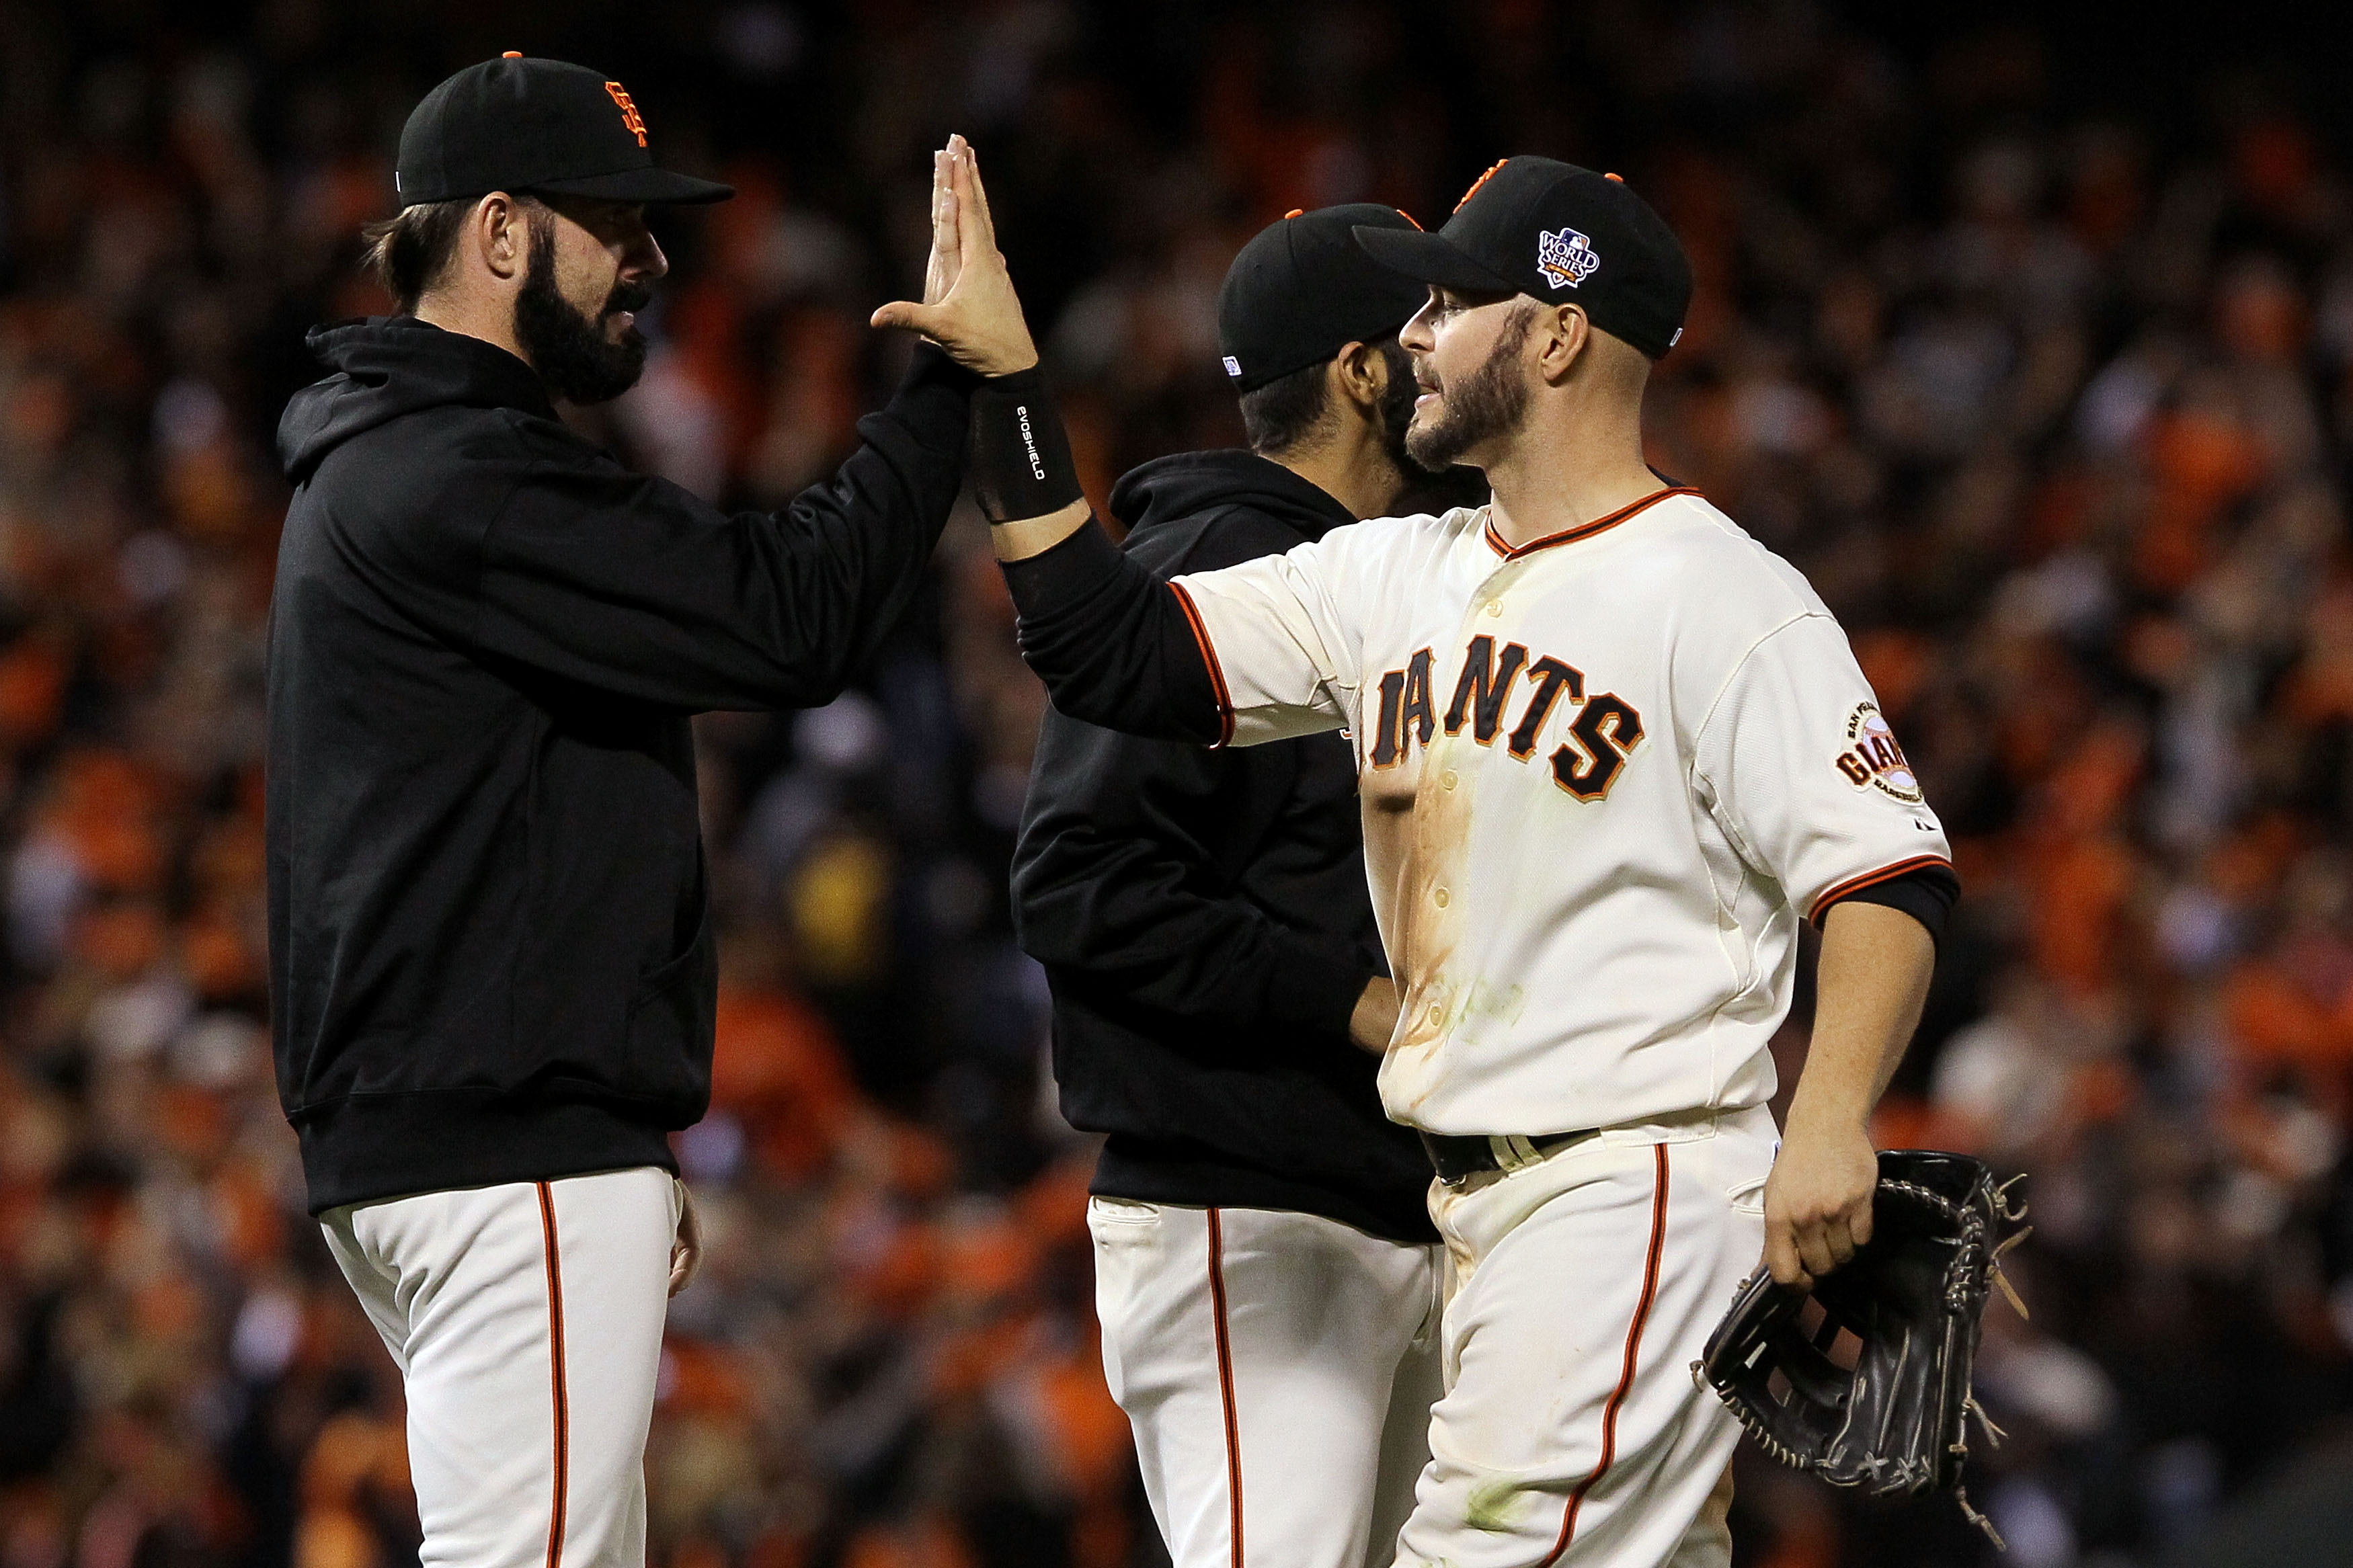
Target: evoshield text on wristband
[[1021, 465]]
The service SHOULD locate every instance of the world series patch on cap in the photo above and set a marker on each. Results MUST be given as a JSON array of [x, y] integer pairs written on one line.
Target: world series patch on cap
[[1559, 234], [545, 127]]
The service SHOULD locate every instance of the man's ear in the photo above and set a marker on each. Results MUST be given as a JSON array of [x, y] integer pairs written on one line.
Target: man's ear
[[1561, 335], [501, 235], [1360, 374]]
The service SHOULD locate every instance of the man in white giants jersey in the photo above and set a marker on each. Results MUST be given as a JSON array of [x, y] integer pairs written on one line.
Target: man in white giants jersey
[[1611, 752]]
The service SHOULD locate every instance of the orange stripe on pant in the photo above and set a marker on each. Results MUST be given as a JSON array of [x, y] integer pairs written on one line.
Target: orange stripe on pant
[[1626, 1373], [559, 1394], [1226, 1382]]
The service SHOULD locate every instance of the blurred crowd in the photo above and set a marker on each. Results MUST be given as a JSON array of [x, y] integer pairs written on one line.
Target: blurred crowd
[[2051, 403]]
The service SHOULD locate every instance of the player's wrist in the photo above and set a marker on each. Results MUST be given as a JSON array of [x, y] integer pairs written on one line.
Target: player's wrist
[[1021, 462], [1013, 360], [1825, 1118]]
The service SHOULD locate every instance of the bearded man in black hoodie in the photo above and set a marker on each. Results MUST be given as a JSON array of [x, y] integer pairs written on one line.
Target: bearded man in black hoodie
[[492, 966], [1266, 1271]]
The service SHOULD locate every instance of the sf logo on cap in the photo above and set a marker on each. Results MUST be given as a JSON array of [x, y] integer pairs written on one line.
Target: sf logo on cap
[[1566, 258], [630, 117]]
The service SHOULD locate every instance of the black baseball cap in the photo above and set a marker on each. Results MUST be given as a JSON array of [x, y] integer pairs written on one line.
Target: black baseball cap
[[1302, 289], [1562, 234], [542, 126]]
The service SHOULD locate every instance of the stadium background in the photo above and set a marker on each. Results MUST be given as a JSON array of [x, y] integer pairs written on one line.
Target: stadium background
[[2027, 340]]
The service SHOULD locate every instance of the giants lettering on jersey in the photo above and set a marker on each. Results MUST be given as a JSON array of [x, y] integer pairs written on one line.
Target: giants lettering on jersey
[[1605, 731], [1874, 758]]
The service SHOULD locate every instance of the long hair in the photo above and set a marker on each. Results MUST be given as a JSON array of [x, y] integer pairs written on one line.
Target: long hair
[[408, 251]]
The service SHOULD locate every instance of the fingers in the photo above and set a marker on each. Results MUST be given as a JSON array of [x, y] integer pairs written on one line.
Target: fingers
[[1815, 1252], [904, 313], [976, 229], [943, 212], [1781, 1257], [980, 195], [1802, 1250], [685, 1251]]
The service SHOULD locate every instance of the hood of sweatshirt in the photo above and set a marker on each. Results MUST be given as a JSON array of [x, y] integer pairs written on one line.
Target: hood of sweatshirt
[[388, 366], [1190, 483]]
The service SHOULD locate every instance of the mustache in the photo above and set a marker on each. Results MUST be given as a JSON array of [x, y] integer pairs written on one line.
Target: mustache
[[630, 297]]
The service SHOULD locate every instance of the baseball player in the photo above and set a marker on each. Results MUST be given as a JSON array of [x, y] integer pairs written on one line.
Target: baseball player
[[1611, 752], [1265, 1270], [491, 962]]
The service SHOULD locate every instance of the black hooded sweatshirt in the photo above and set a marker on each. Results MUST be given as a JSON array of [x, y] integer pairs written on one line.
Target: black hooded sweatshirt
[[1204, 920], [491, 951]]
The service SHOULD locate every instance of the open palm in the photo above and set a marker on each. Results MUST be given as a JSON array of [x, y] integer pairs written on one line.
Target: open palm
[[969, 307]]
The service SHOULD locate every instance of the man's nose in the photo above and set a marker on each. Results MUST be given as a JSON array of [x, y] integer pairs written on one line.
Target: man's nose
[[1415, 336], [644, 261]]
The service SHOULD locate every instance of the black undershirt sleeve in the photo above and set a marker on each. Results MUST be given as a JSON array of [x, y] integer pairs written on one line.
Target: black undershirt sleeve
[[1927, 895], [1112, 641]]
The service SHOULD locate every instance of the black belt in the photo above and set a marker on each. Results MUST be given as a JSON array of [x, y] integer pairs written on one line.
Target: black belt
[[1460, 1157]]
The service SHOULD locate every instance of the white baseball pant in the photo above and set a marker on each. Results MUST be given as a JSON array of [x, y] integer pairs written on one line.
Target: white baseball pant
[[1277, 1369], [526, 1321], [1585, 1285]]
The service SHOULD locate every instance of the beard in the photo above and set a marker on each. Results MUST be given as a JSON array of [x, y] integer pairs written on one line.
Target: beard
[[1397, 411], [1485, 405], [570, 351]]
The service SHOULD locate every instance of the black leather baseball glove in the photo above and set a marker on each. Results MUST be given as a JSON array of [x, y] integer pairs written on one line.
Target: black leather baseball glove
[[1915, 1297]]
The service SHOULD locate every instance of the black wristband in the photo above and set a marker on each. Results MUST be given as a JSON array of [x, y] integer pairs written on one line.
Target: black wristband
[[1021, 465]]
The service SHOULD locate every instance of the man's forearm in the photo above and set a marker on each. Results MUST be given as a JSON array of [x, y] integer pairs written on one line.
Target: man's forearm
[[1115, 645], [1870, 986]]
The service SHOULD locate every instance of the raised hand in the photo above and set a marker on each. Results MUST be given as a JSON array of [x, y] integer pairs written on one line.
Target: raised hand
[[975, 314]]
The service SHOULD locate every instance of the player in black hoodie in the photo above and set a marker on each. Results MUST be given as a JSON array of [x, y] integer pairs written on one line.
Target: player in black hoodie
[[490, 962], [1266, 1271]]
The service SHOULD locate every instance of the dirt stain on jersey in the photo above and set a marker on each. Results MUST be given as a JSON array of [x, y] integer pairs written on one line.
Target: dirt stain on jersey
[[1416, 837], [1495, 1505]]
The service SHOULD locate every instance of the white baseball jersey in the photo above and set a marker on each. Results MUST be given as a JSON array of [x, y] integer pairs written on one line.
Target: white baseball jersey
[[1604, 775]]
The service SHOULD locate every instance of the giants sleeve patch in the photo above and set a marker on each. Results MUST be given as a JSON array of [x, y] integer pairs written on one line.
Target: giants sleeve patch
[[1873, 760]]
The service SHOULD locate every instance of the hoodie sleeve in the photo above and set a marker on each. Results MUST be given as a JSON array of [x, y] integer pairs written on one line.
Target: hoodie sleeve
[[626, 582], [1125, 868]]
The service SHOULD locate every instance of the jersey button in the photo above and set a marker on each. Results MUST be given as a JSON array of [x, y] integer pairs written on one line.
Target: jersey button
[[1494, 606], [1441, 898], [1447, 778]]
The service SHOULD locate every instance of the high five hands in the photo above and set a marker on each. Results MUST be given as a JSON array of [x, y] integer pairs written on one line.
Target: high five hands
[[969, 307]]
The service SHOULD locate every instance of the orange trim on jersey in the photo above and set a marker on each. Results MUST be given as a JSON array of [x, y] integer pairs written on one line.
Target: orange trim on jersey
[[1584, 530], [1854, 885], [1209, 658], [1633, 1353], [1226, 1385], [559, 1397]]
